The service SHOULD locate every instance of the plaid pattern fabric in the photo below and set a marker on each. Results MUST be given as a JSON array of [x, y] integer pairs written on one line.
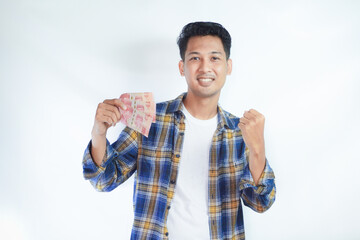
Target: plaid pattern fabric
[[155, 160]]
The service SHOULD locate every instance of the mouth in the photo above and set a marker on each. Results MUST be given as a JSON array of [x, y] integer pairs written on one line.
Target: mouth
[[206, 79]]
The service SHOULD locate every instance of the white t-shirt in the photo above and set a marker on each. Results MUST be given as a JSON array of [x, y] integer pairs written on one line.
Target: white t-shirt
[[188, 214]]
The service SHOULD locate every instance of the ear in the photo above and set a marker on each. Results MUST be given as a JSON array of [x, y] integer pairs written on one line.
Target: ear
[[181, 67], [229, 66]]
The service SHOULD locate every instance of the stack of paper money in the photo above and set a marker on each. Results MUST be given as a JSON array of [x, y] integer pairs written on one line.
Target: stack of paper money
[[140, 111]]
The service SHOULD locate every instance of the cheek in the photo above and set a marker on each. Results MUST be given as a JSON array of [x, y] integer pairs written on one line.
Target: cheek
[[220, 70], [224, 70], [190, 70]]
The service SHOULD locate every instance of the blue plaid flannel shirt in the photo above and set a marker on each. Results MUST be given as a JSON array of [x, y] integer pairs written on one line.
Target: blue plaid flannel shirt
[[155, 160]]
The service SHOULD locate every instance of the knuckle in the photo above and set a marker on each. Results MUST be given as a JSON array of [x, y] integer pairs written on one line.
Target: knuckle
[[98, 113]]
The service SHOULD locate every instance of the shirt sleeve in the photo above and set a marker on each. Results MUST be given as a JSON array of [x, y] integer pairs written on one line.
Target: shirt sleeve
[[118, 165], [258, 197]]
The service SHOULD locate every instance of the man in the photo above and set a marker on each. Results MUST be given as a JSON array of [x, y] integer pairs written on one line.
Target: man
[[198, 161]]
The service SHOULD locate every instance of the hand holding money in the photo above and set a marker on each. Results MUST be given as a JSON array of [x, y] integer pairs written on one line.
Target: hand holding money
[[135, 110], [107, 115]]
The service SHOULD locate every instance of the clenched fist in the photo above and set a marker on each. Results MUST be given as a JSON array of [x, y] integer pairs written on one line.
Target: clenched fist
[[252, 128]]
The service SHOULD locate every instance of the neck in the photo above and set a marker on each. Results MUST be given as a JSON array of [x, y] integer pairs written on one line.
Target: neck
[[201, 108]]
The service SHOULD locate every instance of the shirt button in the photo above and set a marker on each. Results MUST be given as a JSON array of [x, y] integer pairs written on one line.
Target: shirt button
[[167, 234], [181, 134], [172, 181], [168, 207], [177, 155]]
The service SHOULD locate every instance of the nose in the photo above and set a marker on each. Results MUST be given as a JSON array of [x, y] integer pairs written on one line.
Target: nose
[[205, 65]]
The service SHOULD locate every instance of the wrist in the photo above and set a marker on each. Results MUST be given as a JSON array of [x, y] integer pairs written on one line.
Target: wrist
[[98, 131], [97, 139], [257, 155], [257, 159], [95, 134]]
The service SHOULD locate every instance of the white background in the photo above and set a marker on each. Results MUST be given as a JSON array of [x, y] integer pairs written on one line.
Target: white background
[[297, 62]]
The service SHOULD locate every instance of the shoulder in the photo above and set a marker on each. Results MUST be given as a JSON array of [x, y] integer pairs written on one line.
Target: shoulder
[[230, 116], [163, 107], [229, 119], [169, 107]]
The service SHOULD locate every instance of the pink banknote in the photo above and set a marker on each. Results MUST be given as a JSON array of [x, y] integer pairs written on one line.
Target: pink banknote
[[140, 111]]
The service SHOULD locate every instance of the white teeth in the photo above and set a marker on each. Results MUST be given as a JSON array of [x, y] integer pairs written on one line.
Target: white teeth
[[206, 79]]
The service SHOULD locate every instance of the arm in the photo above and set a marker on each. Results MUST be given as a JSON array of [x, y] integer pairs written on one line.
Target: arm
[[107, 115], [118, 164], [105, 165], [257, 184], [261, 195], [252, 128]]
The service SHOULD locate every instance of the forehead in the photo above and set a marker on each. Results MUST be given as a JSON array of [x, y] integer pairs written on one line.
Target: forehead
[[204, 44]]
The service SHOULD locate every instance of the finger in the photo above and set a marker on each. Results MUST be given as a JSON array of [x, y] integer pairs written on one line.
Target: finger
[[114, 117], [100, 117], [256, 113], [106, 116], [116, 102], [253, 111], [249, 115], [244, 121], [106, 119], [242, 126], [111, 108], [122, 105]]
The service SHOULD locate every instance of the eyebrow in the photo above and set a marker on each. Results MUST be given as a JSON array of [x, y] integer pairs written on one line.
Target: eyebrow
[[197, 53]]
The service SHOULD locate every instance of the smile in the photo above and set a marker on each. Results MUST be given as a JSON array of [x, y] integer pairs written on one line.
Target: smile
[[206, 79]]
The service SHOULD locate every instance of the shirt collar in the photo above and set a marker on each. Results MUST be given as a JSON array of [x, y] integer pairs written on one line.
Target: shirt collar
[[224, 118]]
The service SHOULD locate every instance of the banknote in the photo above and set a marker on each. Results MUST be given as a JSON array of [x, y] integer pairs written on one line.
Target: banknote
[[143, 102], [140, 111]]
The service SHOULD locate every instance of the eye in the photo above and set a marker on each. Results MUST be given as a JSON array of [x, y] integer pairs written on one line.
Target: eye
[[194, 58], [215, 58]]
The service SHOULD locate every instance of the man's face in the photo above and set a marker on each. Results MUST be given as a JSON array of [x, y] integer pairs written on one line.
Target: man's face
[[205, 66]]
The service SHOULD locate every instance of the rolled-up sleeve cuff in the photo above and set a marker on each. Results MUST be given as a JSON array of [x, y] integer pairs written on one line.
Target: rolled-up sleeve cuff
[[266, 181], [90, 168]]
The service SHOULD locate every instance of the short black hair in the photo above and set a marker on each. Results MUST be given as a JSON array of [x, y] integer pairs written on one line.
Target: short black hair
[[203, 29]]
